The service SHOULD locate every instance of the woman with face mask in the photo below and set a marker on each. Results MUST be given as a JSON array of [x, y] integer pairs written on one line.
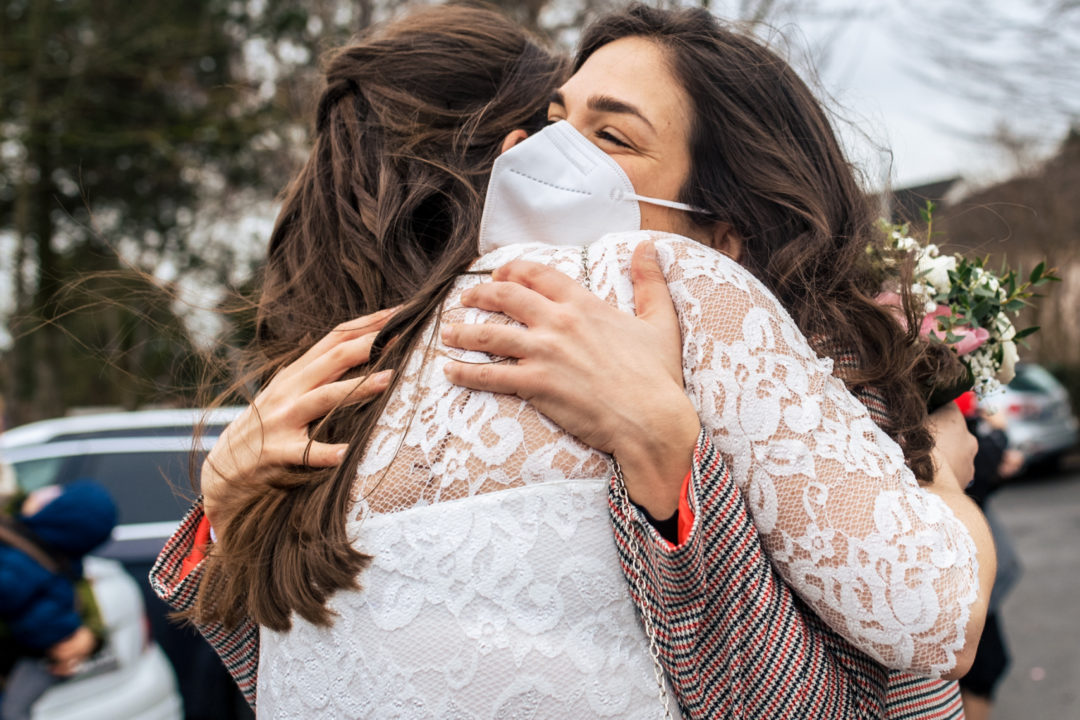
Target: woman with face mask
[[429, 443], [761, 179]]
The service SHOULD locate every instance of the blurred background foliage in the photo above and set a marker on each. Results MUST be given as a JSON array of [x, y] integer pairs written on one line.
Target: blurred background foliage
[[142, 145]]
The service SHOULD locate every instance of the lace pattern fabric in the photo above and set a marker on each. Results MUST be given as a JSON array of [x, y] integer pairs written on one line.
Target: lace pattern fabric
[[885, 563], [516, 596]]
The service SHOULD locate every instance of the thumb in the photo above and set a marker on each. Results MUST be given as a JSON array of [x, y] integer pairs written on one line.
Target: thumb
[[651, 297], [654, 306]]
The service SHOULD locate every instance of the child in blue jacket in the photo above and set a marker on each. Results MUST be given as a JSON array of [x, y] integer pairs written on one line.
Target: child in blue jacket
[[41, 550]]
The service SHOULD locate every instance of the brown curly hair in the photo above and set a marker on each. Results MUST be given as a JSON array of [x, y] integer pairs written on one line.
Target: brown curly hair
[[765, 160]]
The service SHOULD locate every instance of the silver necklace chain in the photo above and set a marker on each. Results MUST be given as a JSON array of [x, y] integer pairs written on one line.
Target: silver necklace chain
[[638, 565], [639, 584]]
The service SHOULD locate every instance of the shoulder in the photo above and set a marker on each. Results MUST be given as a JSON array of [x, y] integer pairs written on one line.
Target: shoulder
[[562, 257], [681, 258]]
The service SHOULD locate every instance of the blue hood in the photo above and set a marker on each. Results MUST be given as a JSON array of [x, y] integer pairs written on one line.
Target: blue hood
[[76, 522]]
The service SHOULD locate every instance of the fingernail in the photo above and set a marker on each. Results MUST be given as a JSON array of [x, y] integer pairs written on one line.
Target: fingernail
[[467, 296], [340, 454], [447, 334], [648, 250], [382, 377]]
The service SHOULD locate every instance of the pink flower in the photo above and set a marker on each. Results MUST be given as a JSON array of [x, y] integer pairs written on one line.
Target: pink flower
[[970, 339], [894, 304]]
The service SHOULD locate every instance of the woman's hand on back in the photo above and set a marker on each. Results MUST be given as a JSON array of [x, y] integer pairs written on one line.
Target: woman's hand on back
[[611, 379], [272, 431]]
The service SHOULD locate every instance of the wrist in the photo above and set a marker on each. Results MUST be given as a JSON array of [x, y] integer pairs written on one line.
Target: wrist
[[655, 458], [212, 485], [230, 460]]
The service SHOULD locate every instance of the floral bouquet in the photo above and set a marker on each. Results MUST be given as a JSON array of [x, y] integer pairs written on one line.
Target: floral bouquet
[[967, 306]]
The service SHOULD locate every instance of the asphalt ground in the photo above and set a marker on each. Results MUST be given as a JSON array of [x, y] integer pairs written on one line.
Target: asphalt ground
[[1041, 617]]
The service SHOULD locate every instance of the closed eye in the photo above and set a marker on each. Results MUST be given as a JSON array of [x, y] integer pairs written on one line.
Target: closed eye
[[608, 137]]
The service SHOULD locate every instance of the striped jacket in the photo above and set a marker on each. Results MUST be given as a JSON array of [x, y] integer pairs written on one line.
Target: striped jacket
[[238, 647]]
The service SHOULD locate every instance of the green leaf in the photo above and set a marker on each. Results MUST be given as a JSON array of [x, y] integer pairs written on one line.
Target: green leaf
[[1037, 273], [980, 310], [1015, 305], [1025, 332]]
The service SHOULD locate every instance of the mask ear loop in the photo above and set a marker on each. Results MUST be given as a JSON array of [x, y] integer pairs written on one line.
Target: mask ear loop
[[618, 194]]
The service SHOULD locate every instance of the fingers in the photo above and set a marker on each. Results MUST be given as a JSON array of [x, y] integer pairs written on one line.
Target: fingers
[[345, 332], [492, 338], [319, 454], [335, 361], [521, 303], [323, 399], [547, 281], [493, 377], [65, 668], [374, 322]]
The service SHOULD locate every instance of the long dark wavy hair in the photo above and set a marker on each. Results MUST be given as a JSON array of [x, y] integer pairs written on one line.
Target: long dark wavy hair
[[385, 212], [765, 160]]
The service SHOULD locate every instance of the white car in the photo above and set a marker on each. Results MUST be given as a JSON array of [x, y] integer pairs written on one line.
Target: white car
[[130, 678]]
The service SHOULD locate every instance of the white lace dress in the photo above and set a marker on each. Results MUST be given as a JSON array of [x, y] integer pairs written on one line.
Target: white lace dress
[[496, 589], [505, 605]]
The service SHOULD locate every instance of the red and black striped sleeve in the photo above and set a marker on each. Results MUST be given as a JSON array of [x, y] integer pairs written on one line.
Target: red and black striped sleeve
[[178, 586], [734, 639]]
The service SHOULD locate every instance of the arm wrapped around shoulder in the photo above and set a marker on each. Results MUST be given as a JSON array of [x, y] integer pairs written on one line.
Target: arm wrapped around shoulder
[[888, 565]]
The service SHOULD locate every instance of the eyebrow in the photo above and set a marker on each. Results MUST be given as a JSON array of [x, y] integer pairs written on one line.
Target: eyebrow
[[606, 103]]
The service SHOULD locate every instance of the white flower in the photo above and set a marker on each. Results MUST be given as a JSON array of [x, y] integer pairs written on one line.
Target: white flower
[[1004, 327], [1009, 356], [901, 242], [934, 270]]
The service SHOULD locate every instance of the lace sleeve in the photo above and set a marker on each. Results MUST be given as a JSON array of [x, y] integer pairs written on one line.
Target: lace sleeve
[[884, 562]]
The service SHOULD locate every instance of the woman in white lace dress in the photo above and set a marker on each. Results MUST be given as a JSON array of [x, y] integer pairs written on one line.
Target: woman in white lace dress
[[494, 587]]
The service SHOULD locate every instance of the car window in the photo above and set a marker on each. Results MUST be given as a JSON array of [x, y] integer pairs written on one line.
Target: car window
[[1032, 378], [34, 474], [146, 487]]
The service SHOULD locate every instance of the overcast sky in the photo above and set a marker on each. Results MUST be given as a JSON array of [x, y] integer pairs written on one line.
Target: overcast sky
[[879, 73]]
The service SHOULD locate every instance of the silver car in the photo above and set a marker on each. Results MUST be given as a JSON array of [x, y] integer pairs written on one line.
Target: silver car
[[142, 460], [1042, 425]]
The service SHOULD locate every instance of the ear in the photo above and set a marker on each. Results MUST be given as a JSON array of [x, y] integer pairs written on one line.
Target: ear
[[513, 139], [727, 241]]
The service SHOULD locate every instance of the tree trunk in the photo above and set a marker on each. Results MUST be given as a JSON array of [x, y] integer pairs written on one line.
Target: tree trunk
[[38, 350]]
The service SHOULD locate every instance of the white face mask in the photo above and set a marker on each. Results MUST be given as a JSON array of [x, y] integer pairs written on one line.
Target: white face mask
[[558, 188]]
